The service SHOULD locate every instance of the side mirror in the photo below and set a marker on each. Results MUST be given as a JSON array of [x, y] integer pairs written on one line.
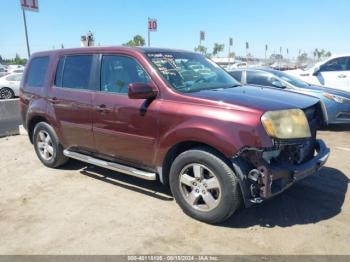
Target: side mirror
[[278, 84], [316, 71], [142, 91]]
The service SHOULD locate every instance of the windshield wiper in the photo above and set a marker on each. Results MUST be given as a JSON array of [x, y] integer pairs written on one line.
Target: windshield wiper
[[227, 87]]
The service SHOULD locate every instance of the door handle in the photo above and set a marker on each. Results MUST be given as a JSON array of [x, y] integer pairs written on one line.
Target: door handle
[[102, 109], [53, 100], [342, 76]]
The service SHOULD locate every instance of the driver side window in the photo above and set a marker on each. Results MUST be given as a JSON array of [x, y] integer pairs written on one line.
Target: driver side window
[[337, 64], [118, 71]]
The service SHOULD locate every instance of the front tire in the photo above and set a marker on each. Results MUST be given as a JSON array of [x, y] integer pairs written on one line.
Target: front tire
[[47, 146], [204, 185]]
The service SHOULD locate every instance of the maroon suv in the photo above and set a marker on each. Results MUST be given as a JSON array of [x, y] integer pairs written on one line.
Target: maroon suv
[[174, 116]]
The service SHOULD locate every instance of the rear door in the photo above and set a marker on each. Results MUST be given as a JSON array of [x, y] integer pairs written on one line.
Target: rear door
[[336, 73], [70, 99], [124, 129]]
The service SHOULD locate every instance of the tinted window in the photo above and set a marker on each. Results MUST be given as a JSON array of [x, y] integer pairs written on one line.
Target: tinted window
[[74, 72], [259, 78], [236, 75], [37, 71], [337, 64], [117, 72]]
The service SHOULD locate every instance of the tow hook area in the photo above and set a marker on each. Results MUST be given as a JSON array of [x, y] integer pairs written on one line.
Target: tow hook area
[[260, 182], [271, 172]]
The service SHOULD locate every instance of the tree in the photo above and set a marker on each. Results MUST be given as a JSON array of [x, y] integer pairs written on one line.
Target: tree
[[218, 48], [231, 55], [201, 49], [302, 58], [321, 54], [1, 59], [328, 54], [136, 41], [18, 60]]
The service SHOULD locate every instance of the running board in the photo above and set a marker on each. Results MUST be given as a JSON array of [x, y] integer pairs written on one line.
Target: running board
[[111, 165]]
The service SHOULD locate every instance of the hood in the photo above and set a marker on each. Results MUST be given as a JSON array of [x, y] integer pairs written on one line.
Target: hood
[[260, 98]]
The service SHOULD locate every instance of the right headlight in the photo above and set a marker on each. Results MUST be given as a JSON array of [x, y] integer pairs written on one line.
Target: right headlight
[[286, 124], [338, 99]]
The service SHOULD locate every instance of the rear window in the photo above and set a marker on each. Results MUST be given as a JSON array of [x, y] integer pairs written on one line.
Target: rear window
[[236, 75], [37, 71], [74, 72]]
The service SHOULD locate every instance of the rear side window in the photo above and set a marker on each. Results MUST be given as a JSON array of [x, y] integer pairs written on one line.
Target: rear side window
[[236, 75], [37, 71], [74, 72]]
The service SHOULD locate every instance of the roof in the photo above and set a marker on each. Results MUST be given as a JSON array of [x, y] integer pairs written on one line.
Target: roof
[[107, 49]]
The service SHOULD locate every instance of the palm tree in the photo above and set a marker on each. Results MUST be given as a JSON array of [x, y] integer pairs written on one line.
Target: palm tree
[[218, 48], [201, 49]]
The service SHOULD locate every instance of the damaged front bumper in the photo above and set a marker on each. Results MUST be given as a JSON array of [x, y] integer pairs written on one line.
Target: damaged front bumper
[[264, 179]]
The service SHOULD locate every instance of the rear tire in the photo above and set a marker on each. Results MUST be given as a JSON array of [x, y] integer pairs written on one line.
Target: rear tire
[[6, 93], [47, 146], [204, 185]]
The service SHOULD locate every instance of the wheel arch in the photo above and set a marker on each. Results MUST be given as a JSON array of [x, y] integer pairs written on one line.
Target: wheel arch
[[179, 148], [32, 122]]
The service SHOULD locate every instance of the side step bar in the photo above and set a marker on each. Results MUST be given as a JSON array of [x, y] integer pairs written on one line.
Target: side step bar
[[111, 165]]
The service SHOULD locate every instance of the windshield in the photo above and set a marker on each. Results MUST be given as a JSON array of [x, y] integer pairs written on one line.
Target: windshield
[[190, 72], [291, 79]]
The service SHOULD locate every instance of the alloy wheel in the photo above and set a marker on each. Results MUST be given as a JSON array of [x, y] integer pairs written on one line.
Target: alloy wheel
[[200, 187], [5, 93], [45, 146]]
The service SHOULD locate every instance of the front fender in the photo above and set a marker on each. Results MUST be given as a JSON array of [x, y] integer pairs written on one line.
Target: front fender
[[225, 137]]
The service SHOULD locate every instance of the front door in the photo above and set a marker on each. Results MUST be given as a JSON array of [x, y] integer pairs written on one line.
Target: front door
[[70, 98], [124, 129], [336, 73]]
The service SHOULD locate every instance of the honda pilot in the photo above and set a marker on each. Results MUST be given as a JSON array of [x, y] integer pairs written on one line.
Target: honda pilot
[[173, 116]]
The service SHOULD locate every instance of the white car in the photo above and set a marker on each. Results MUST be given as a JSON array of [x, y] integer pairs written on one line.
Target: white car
[[3, 71], [236, 65], [9, 86], [333, 72]]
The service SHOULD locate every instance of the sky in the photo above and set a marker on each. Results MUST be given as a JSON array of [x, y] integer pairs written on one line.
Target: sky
[[293, 24]]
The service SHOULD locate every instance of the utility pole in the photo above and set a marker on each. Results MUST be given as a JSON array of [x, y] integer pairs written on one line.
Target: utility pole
[[29, 5], [246, 51], [149, 33], [26, 32], [229, 49]]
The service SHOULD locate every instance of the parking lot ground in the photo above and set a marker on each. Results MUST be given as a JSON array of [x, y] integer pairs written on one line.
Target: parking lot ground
[[80, 209]]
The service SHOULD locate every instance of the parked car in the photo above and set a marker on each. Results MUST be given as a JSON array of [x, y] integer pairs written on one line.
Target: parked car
[[9, 86], [337, 103], [215, 142], [3, 71], [333, 72], [237, 65]]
